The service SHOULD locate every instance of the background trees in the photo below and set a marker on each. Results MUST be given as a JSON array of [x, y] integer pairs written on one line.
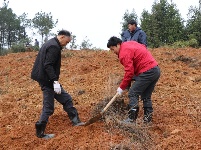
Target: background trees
[[43, 22], [73, 44], [13, 28], [165, 26], [126, 17], [193, 26], [85, 44]]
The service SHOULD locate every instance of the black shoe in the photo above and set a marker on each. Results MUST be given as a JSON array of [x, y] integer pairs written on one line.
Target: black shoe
[[132, 116], [147, 118], [133, 113], [40, 130], [147, 115], [76, 121]]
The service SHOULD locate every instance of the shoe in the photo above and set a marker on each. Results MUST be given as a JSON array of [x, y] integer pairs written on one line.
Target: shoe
[[147, 115], [147, 118], [48, 136], [79, 124], [132, 116], [76, 121], [127, 121], [133, 113], [40, 129]]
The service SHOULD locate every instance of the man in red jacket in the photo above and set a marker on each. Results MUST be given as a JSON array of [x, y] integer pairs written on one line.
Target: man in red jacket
[[137, 60]]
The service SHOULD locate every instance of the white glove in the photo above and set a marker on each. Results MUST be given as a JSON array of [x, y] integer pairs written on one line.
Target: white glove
[[57, 87], [119, 91]]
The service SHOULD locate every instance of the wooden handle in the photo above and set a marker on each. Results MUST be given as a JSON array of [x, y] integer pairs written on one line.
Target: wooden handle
[[111, 101]]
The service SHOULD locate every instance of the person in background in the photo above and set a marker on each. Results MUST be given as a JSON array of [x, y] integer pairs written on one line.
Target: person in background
[[46, 71], [134, 33], [36, 43], [46, 39], [137, 60]]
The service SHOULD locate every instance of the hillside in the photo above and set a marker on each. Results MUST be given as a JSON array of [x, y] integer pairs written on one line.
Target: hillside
[[92, 77]]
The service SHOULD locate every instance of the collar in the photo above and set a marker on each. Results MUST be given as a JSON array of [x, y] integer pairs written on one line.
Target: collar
[[58, 42]]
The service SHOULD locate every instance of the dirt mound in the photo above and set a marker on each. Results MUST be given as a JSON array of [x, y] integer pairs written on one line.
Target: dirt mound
[[92, 77]]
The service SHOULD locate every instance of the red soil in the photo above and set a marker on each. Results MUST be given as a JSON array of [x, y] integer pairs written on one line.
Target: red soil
[[90, 77]]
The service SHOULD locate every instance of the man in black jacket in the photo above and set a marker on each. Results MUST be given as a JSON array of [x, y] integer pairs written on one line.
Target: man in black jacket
[[46, 71]]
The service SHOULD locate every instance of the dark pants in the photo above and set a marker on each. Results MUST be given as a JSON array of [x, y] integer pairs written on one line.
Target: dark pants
[[48, 103], [144, 86]]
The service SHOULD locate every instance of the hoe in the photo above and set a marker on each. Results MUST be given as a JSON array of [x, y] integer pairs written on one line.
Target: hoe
[[99, 115]]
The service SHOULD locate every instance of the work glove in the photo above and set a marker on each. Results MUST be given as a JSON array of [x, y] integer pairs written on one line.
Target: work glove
[[119, 91], [57, 87]]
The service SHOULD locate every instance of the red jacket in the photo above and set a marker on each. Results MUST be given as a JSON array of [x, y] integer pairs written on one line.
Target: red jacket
[[136, 59]]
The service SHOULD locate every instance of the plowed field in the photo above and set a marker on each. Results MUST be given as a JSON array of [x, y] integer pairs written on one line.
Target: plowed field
[[92, 77]]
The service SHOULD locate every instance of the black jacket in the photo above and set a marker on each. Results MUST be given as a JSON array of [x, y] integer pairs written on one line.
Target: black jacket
[[47, 65]]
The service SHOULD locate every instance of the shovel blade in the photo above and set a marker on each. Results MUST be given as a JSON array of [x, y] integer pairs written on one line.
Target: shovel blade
[[98, 116], [93, 119]]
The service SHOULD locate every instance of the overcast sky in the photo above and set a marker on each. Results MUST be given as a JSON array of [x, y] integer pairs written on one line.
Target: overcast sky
[[96, 19]]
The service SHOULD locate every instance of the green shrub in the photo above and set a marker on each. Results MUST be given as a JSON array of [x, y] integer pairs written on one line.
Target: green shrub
[[15, 48], [3, 52], [180, 44], [193, 43], [35, 48], [190, 43]]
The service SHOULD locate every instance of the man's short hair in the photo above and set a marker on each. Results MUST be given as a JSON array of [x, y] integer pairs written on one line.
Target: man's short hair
[[132, 22], [64, 32], [113, 41]]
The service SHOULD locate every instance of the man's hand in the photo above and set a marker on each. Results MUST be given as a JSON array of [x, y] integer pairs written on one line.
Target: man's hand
[[57, 87], [119, 91]]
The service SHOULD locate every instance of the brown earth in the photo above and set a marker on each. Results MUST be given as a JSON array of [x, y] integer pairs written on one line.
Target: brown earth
[[92, 77]]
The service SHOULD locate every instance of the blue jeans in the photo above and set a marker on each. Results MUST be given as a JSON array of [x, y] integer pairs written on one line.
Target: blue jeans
[[144, 86]]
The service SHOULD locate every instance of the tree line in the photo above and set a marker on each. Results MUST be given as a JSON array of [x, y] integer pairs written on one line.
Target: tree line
[[165, 26], [13, 28]]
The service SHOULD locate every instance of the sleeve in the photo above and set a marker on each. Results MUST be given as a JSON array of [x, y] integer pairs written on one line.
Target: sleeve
[[123, 38], [127, 62], [52, 55], [143, 38]]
